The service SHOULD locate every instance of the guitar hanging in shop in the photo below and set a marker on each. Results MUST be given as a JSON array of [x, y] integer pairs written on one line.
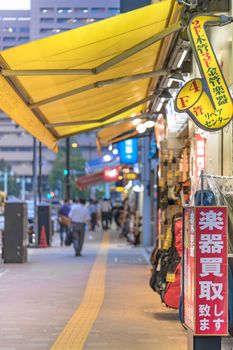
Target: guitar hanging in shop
[[207, 100]]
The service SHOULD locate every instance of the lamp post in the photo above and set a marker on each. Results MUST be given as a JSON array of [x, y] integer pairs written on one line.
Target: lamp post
[[67, 175]]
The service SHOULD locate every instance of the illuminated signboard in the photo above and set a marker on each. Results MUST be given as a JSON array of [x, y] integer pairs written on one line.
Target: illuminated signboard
[[207, 100], [131, 176], [128, 151], [205, 270]]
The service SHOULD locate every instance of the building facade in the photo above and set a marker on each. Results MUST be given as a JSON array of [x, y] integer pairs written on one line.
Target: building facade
[[45, 18]]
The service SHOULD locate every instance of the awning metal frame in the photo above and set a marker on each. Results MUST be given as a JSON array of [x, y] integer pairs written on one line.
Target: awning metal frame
[[104, 119], [10, 75], [100, 84]]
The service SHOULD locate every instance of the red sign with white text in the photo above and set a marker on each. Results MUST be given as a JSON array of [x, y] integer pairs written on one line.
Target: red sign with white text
[[205, 289], [211, 271]]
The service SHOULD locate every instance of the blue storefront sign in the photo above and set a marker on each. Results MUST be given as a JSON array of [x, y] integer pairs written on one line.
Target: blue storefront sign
[[128, 151]]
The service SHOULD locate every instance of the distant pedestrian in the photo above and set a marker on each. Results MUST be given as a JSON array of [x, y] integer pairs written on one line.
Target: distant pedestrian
[[64, 221], [79, 216], [93, 213], [106, 209]]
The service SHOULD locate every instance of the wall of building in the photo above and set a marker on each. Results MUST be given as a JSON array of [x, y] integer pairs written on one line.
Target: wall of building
[[46, 17]]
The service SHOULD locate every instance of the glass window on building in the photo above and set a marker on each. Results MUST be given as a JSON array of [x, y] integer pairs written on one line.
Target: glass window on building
[[24, 19], [9, 30], [98, 9], [65, 20], [81, 9], [90, 20], [8, 39], [9, 19], [46, 20], [81, 20], [46, 9], [23, 39], [113, 10], [24, 29], [46, 30], [64, 10]]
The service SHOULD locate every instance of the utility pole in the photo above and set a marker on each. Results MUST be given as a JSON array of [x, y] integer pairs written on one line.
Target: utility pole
[[35, 189], [67, 175], [40, 173]]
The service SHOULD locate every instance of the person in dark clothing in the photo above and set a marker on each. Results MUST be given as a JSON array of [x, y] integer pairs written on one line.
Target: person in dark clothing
[[63, 217]]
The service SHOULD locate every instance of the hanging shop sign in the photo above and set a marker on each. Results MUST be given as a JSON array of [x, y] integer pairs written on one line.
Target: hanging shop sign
[[131, 176], [207, 100], [205, 270], [128, 151], [200, 154]]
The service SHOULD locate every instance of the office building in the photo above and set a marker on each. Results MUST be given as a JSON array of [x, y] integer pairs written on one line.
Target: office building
[[46, 17]]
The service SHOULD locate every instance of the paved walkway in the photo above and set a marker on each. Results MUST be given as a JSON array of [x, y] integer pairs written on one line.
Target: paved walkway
[[39, 298]]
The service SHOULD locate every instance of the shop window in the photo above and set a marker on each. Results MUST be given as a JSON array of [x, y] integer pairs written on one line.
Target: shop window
[[46, 20]]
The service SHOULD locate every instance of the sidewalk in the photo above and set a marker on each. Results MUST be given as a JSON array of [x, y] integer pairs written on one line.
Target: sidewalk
[[38, 298]]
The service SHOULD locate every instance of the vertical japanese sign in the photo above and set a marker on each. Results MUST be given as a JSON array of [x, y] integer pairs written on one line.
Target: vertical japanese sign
[[189, 262], [210, 316], [128, 151], [200, 154], [207, 101]]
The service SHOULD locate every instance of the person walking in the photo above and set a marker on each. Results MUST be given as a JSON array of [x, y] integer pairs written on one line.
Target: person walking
[[93, 213], [64, 220], [79, 217], [105, 213]]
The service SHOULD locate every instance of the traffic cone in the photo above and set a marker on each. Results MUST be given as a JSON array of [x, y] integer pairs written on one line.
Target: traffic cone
[[43, 241]]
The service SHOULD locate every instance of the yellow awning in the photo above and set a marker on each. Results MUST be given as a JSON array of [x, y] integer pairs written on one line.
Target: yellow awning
[[87, 77], [116, 133]]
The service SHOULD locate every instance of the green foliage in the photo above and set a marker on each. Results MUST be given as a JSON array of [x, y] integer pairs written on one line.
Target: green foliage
[[13, 186], [57, 177]]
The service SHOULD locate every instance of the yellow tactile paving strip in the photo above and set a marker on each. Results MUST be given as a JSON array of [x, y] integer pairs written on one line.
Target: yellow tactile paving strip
[[76, 331]]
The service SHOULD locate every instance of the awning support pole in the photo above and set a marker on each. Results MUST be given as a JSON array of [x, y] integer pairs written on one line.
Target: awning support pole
[[106, 118], [100, 84], [102, 67]]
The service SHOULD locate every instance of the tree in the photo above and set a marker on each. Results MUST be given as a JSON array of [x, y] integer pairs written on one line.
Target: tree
[[57, 177], [13, 186]]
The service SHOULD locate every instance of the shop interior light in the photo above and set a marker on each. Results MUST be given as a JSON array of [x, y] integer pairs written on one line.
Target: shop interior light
[[165, 94], [115, 151], [160, 105], [141, 128], [74, 145], [149, 124], [136, 121], [182, 58], [177, 76], [107, 158], [138, 188], [110, 148]]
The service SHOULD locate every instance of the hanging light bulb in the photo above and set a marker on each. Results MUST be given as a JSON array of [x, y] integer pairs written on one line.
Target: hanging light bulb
[[149, 124], [141, 128], [136, 121]]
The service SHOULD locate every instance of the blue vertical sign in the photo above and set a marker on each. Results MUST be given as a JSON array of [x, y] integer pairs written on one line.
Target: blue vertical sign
[[128, 151]]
